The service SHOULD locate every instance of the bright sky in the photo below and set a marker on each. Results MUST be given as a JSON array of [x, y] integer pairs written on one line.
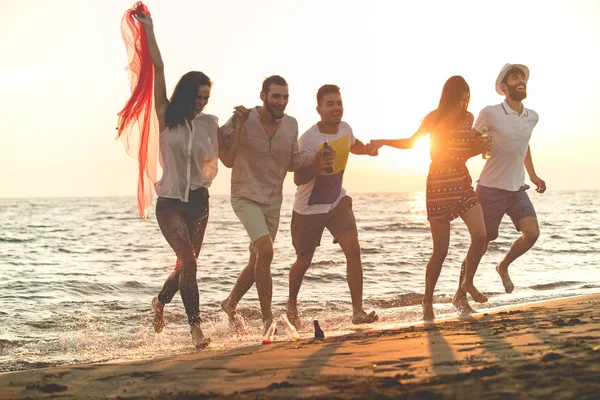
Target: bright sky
[[62, 79]]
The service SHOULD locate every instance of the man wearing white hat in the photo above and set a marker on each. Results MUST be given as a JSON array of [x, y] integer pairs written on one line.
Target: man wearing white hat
[[501, 186]]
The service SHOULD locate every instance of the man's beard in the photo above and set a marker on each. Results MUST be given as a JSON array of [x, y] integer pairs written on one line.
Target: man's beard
[[516, 95], [271, 111]]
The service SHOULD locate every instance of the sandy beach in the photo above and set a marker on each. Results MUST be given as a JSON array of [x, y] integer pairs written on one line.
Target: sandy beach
[[546, 350]]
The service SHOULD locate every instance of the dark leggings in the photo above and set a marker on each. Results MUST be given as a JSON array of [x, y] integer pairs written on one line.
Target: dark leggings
[[183, 225]]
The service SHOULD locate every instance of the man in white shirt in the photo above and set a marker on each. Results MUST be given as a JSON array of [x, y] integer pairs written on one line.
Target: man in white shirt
[[501, 186], [321, 202]]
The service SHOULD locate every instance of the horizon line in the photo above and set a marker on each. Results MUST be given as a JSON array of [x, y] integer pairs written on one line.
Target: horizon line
[[228, 194]]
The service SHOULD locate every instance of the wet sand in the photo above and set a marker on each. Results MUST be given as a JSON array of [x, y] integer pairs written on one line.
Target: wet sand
[[547, 350]]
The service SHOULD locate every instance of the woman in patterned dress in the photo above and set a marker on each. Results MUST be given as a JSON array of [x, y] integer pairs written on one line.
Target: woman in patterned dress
[[449, 191]]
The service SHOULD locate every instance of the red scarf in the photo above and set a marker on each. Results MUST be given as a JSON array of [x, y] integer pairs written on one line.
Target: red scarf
[[138, 124]]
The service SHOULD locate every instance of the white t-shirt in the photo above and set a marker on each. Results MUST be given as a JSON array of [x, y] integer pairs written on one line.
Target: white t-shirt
[[324, 192], [510, 134]]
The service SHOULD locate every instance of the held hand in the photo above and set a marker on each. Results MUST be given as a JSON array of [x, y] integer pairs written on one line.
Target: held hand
[[144, 19], [240, 113], [539, 183], [372, 149]]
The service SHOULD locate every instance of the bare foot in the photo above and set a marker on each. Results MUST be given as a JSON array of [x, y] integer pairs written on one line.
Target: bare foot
[[230, 311], [291, 307], [268, 323], [362, 317], [159, 322], [475, 294], [236, 321], [462, 305], [428, 315], [198, 338], [506, 281]]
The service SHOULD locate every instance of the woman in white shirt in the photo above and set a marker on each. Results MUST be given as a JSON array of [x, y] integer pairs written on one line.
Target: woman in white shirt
[[189, 150]]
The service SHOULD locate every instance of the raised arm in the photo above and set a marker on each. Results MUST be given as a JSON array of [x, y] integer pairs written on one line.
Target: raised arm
[[160, 90], [537, 181]]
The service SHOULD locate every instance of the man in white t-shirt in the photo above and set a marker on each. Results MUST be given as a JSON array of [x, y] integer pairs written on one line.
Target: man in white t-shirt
[[501, 186], [321, 202]]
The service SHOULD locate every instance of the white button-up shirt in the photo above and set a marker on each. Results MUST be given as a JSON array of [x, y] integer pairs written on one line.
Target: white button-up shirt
[[510, 134], [189, 155]]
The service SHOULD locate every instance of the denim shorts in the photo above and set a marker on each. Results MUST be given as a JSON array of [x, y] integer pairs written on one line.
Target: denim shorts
[[497, 202]]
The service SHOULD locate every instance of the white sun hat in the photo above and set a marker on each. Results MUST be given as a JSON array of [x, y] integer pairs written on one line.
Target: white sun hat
[[503, 73]]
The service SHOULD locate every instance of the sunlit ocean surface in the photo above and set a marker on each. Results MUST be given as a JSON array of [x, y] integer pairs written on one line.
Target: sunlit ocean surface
[[77, 275]]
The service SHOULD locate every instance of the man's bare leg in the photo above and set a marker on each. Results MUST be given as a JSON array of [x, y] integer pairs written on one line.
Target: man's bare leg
[[530, 231], [262, 276], [354, 275], [242, 285], [440, 233], [297, 273]]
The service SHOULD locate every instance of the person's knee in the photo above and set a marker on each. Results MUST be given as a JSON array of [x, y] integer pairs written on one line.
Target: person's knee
[[264, 248], [303, 261], [263, 245], [439, 253], [186, 259], [479, 238], [531, 235]]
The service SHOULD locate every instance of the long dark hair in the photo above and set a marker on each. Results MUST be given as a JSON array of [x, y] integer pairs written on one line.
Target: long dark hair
[[452, 92], [183, 100]]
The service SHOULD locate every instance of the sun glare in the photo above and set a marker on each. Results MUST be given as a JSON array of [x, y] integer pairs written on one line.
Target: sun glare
[[415, 160], [421, 149]]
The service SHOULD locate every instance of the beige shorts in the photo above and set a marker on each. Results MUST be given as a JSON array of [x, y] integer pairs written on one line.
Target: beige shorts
[[258, 219]]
